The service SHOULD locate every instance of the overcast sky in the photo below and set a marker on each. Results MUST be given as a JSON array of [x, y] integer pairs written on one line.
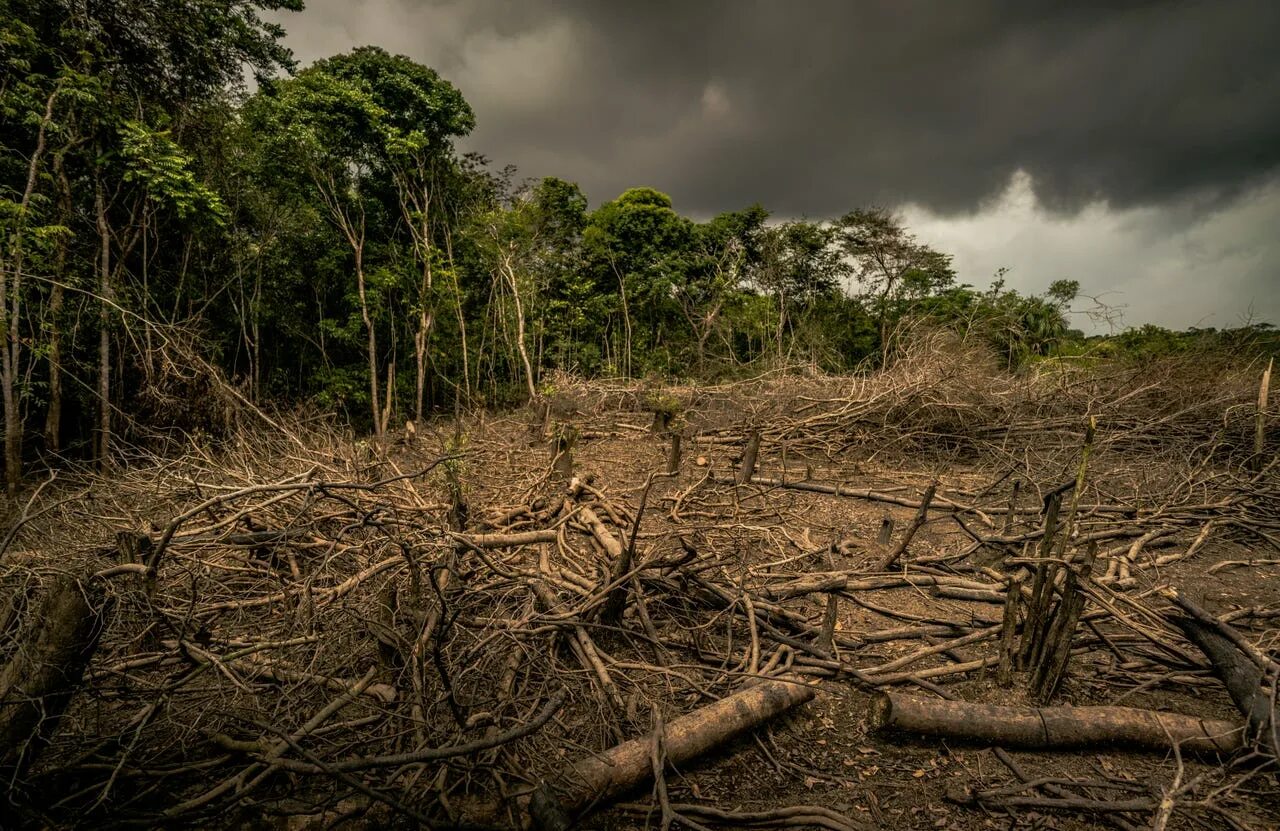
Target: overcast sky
[[1134, 146]]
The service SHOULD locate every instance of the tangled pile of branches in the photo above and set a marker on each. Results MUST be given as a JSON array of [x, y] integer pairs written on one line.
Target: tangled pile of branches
[[452, 628]]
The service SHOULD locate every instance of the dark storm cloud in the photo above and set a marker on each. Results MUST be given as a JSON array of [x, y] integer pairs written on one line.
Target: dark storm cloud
[[1150, 132], [815, 107]]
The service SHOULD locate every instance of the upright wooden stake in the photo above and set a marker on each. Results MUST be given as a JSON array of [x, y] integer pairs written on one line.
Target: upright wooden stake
[[749, 455], [886, 530], [1013, 505], [1051, 508], [1036, 624], [562, 451], [1039, 615], [673, 455], [1260, 419], [826, 639], [1008, 633]]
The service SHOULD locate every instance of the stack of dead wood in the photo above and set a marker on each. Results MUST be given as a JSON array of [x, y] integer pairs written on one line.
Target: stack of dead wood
[[498, 635]]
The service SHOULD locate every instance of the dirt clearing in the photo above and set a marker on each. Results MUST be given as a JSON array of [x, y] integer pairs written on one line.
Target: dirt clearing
[[308, 632]]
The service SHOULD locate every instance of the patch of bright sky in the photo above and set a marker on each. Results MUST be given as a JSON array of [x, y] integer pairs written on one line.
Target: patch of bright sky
[[1182, 265]]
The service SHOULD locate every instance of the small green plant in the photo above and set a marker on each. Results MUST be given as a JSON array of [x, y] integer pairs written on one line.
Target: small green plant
[[662, 403], [454, 469], [454, 466], [666, 410]]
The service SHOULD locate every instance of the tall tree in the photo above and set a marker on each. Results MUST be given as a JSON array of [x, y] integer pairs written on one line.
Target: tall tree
[[888, 259], [799, 263], [726, 250], [349, 123], [640, 245], [74, 74], [30, 97], [531, 242], [421, 114]]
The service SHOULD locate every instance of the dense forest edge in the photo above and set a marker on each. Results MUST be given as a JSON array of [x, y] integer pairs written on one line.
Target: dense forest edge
[[180, 244]]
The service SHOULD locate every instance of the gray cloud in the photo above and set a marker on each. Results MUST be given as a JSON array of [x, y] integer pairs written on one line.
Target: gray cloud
[[1186, 264], [1150, 116], [814, 107]]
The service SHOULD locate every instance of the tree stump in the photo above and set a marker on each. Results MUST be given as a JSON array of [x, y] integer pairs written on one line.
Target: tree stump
[[50, 657]]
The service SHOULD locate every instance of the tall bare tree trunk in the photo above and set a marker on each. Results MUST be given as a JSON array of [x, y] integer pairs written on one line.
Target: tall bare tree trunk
[[883, 312], [12, 421], [509, 271], [420, 364], [372, 342], [255, 317], [106, 295], [390, 399], [9, 342], [626, 321], [782, 323], [353, 228], [426, 312], [11, 315], [53, 415], [462, 320]]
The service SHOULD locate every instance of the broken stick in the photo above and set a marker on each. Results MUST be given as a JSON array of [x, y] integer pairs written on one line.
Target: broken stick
[[921, 515]]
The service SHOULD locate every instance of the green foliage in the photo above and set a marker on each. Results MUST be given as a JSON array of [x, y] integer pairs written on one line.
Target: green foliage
[[1063, 292], [800, 262], [891, 266], [417, 110], [663, 403], [1150, 342], [241, 221], [635, 249], [154, 159]]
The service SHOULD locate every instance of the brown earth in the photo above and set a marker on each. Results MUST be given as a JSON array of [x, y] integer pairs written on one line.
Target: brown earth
[[153, 738]]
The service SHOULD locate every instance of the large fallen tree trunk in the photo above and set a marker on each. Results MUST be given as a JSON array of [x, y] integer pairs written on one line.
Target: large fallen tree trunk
[[1240, 667], [49, 659], [601, 778], [1051, 728]]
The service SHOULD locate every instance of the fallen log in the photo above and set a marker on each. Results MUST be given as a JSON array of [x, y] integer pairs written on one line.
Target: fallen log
[[1053, 728], [1242, 679], [1240, 667], [602, 778], [965, 593], [1224, 630], [859, 493], [542, 535], [847, 581], [39, 681]]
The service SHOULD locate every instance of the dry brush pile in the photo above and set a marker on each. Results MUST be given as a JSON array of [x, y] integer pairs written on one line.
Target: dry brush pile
[[468, 629]]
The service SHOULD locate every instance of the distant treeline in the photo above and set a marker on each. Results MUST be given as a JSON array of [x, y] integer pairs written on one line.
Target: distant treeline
[[322, 241]]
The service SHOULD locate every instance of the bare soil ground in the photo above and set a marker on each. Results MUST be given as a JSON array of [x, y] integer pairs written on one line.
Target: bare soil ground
[[326, 618]]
